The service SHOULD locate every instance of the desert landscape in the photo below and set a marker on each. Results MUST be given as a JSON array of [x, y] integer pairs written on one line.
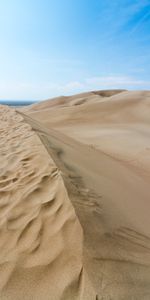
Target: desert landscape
[[75, 175]]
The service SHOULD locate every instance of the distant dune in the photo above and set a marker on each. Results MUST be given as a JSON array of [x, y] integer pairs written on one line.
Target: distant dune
[[41, 239], [100, 142]]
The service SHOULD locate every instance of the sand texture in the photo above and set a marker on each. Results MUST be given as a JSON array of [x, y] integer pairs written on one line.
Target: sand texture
[[41, 239], [100, 141]]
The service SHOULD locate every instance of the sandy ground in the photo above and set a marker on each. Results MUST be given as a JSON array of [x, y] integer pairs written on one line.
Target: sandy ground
[[41, 239], [100, 142]]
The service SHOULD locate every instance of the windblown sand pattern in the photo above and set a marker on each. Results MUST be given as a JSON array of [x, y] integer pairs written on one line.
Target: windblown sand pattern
[[101, 142], [40, 235]]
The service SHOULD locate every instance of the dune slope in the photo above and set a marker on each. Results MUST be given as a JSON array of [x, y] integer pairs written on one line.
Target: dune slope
[[100, 141], [40, 235]]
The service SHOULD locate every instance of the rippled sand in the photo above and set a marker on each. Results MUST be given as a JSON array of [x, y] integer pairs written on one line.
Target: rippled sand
[[41, 240]]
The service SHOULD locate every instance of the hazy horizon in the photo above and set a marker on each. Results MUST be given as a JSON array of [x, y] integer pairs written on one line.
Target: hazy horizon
[[67, 94]]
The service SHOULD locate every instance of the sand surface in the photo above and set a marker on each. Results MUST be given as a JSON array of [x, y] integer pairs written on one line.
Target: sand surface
[[41, 239], [100, 142]]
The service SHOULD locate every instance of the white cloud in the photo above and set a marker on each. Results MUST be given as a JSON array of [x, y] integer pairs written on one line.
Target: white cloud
[[140, 22], [115, 81], [73, 85], [98, 83], [52, 89]]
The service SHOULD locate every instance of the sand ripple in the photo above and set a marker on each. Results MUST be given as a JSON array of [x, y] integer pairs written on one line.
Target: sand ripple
[[40, 236]]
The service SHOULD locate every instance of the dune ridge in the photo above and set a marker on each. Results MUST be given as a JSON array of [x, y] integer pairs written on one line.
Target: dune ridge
[[101, 144], [41, 238]]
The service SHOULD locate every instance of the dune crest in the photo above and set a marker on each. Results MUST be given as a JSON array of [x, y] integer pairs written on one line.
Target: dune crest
[[100, 141], [40, 235]]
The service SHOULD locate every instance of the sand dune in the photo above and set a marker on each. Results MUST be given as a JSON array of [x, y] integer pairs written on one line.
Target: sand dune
[[41, 240], [100, 142]]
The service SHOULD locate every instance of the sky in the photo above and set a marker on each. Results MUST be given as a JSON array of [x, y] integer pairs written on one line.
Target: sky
[[50, 48]]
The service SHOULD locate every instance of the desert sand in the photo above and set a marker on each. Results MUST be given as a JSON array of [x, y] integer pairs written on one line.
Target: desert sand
[[41, 239], [75, 186], [100, 142]]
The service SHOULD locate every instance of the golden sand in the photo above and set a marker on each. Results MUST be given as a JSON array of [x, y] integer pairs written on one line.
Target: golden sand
[[40, 236], [100, 141]]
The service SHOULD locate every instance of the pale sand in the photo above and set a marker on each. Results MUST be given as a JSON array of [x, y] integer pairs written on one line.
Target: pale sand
[[100, 141], [41, 255]]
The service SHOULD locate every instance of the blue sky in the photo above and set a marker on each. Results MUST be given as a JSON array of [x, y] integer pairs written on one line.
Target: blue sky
[[61, 47]]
